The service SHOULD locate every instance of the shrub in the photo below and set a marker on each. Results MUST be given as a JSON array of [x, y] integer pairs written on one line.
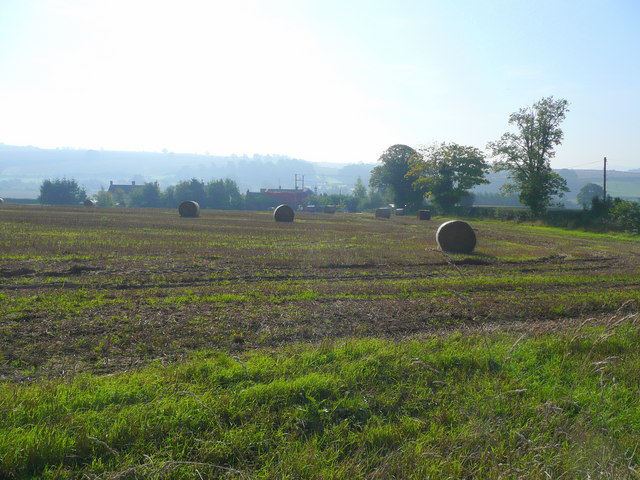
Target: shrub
[[625, 216]]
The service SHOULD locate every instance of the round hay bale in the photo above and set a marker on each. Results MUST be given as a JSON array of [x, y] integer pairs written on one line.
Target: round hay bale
[[424, 215], [189, 209], [1, 200], [456, 236], [283, 213], [383, 213], [89, 203], [399, 212], [329, 209]]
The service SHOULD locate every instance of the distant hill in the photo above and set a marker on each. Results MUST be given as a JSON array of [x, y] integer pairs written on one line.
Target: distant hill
[[619, 184], [22, 170]]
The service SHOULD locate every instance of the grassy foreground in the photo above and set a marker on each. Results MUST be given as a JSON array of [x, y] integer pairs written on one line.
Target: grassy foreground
[[486, 405]]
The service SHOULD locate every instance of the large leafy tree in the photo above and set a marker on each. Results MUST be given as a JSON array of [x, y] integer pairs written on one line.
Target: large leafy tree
[[445, 173], [392, 175], [588, 193], [526, 154], [61, 191]]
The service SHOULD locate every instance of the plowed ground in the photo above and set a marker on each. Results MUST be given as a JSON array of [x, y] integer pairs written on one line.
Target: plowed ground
[[105, 290]]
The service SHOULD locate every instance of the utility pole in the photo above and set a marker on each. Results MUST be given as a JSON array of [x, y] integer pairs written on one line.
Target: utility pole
[[604, 180]]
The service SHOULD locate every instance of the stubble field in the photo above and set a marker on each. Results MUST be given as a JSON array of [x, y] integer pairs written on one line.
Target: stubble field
[[104, 290], [137, 344]]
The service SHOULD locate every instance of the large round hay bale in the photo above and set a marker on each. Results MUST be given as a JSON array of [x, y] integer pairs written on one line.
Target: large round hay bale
[[189, 209], [383, 213], [399, 212], [1, 200], [329, 209], [424, 214], [89, 203], [456, 236], [283, 213]]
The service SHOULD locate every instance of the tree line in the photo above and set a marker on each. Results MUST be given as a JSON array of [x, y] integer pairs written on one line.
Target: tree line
[[445, 173], [222, 194]]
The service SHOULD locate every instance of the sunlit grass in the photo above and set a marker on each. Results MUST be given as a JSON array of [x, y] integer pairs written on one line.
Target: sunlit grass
[[466, 405], [74, 301]]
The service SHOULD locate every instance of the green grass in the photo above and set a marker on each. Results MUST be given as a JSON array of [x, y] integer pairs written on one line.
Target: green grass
[[562, 289], [472, 406]]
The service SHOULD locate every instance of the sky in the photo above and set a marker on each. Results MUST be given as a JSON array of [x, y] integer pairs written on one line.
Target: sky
[[320, 80]]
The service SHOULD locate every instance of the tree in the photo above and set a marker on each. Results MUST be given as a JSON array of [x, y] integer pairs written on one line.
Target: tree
[[119, 197], [392, 175], [193, 189], [356, 202], [445, 173], [223, 194], [61, 192], [526, 154], [371, 201], [359, 190], [467, 200], [588, 193], [147, 196], [104, 199], [236, 199], [169, 196]]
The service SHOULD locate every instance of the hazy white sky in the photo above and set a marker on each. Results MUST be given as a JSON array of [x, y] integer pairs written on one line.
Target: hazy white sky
[[321, 80]]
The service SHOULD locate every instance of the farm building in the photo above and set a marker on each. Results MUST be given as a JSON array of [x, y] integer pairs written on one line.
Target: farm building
[[125, 189]]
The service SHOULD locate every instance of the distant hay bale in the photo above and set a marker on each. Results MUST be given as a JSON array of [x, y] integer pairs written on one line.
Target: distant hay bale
[[283, 213], [329, 209], [189, 209], [383, 213], [424, 215], [1, 200], [89, 203], [456, 236], [309, 208], [399, 212]]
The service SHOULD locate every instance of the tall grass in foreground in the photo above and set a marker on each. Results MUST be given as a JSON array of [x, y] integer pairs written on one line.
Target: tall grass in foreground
[[464, 406]]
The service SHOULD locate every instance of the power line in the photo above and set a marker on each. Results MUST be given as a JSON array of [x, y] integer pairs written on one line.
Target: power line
[[581, 165]]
